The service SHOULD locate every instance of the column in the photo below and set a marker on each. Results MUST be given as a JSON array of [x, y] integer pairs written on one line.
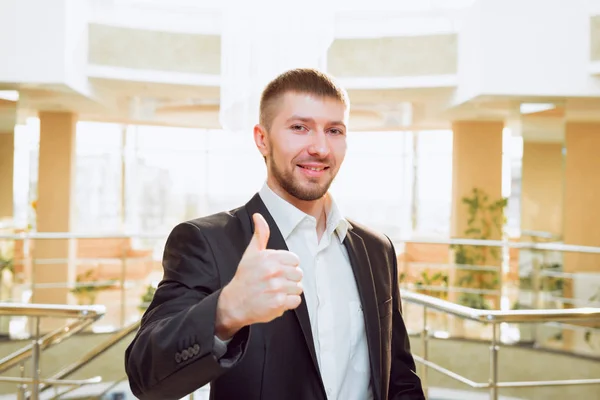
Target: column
[[7, 159], [542, 187], [476, 164], [54, 206], [582, 194], [581, 215]]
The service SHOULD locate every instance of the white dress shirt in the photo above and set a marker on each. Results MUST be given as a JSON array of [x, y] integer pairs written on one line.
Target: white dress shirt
[[331, 294]]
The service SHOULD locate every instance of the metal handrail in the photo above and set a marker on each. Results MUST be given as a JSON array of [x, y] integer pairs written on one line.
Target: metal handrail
[[85, 316], [52, 310], [585, 314], [45, 342], [495, 318], [454, 241], [94, 353]]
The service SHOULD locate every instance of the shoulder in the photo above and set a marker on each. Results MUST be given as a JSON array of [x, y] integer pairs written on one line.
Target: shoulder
[[372, 238], [214, 221], [211, 225]]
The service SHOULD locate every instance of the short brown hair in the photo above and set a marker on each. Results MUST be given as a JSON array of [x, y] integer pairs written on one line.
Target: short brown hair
[[300, 80]]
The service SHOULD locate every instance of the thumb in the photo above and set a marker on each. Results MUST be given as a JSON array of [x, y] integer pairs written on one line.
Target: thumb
[[261, 233]]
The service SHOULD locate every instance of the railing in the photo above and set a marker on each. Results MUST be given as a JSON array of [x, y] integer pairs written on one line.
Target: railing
[[494, 318], [118, 290], [532, 257], [124, 303], [84, 315], [530, 276]]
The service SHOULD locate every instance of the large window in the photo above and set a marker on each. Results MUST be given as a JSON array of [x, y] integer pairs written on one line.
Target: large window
[[27, 144], [98, 175], [374, 183], [149, 178], [512, 162], [433, 183]]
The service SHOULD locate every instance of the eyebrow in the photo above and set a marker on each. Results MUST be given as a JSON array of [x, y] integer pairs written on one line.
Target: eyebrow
[[310, 120]]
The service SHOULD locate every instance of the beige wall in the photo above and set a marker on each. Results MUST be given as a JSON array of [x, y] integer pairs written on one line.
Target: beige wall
[[7, 150], [476, 162], [394, 56], [582, 194], [197, 53], [595, 38], [154, 50], [542, 187]]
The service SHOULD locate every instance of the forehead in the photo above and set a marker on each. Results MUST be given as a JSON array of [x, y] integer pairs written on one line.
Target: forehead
[[306, 105]]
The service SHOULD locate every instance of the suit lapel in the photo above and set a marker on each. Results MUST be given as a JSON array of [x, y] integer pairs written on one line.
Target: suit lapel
[[361, 267], [276, 242]]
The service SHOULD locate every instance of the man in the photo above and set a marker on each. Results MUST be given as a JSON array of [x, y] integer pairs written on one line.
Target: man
[[282, 298]]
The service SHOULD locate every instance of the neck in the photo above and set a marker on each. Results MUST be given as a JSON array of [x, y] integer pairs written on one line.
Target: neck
[[316, 208]]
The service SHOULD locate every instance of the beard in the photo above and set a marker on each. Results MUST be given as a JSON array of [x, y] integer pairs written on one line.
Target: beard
[[309, 191]]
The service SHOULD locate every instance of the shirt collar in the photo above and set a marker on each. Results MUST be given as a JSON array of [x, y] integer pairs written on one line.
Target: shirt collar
[[288, 217]]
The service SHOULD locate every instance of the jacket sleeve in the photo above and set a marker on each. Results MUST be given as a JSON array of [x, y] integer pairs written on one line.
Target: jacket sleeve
[[404, 382], [174, 352]]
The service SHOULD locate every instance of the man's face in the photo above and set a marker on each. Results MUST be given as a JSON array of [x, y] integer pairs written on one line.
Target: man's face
[[305, 145]]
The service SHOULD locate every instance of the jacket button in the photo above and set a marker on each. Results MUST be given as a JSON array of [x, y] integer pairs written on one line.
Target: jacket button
[[177, 358], [190, 351], [184, 355], [196, 349]]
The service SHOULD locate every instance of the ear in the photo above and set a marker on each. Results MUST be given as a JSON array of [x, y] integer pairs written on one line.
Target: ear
[[261, 140]]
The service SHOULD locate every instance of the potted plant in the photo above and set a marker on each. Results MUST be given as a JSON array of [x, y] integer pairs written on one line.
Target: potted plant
[[434, 284], [147, 298], [87, 287]]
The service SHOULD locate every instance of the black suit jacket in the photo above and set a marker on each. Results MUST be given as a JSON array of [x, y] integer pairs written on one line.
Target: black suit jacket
[[173, 353]]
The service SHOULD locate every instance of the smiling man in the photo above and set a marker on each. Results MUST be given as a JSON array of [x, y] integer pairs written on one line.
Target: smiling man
[[282, 298]]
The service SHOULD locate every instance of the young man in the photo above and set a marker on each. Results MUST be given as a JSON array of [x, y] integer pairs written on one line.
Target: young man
[[282, 298]]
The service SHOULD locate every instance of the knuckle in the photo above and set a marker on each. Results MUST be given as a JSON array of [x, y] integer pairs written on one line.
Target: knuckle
[[271, 269], [279, 300], [274, 284]]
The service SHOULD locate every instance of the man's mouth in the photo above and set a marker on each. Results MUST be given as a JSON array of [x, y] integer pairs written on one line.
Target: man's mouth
[[313, 168]]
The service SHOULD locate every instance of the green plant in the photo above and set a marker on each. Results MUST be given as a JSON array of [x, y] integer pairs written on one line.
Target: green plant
[[428, 281], [6, 256], [401, 278], [86, 289], [485, 222], [547, 283], [147, 298], [6, 263]]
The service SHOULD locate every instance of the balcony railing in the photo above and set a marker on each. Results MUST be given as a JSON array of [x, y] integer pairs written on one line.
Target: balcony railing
[[523, 292], [494, 319], [83, 316], [525, 275]]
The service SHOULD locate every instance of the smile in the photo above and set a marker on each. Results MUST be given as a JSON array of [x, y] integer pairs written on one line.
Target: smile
[[313, 171], [313, 168]]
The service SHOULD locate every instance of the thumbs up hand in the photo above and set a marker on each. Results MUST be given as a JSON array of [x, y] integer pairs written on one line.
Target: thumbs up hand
[[266, 284]]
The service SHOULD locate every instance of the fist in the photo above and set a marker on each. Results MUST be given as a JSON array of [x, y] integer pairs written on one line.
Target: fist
[[266, 284]]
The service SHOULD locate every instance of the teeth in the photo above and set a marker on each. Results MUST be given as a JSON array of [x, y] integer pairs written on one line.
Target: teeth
[[314, 169]]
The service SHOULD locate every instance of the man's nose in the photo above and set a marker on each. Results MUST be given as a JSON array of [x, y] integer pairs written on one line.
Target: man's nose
[[319, 144]]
